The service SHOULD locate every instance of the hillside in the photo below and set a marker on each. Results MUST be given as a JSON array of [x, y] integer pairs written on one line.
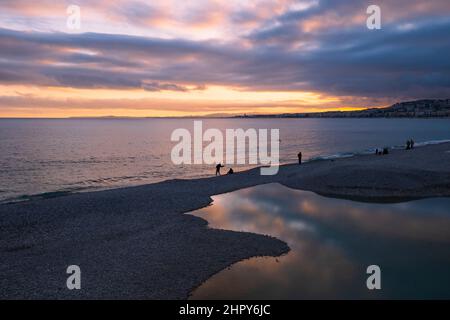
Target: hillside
[[431, 108]]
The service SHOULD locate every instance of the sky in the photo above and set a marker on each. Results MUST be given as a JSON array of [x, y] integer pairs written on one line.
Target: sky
[[179, 58]]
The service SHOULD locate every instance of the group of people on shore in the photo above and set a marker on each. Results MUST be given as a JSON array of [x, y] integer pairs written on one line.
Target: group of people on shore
[[384, 151], [409, 146]]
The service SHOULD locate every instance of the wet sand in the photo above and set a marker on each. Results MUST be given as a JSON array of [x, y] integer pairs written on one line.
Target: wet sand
[[136, 243]]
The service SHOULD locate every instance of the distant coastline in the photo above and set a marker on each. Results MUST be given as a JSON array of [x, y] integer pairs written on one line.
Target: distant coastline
[[425, 108], [430, 108]]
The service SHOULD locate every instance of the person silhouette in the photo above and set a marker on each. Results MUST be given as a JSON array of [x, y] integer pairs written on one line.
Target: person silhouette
[[412, 143], [299, 158], [231, 171], [408, 145], [218, 168]]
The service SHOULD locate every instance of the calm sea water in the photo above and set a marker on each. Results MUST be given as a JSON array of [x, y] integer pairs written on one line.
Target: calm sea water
[[332, 242], [45, 156]]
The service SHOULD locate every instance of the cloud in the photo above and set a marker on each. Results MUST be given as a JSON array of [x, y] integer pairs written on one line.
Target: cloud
[[315, 46], [155, 86]]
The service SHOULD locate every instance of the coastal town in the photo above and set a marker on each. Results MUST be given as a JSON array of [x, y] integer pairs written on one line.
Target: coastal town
[[431, 108]]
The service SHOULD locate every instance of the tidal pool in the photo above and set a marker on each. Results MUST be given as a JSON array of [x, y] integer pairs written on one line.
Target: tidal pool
[[332, 242]]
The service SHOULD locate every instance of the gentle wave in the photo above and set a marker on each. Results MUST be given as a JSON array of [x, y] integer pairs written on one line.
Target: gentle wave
[[99, 184], [372, 150]]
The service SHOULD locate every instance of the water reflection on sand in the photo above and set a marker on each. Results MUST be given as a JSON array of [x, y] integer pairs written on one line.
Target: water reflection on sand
[[332, 242]]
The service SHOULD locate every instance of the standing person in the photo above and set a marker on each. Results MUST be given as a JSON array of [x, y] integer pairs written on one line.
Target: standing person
[[218, 168], [408, 145], [299, 158], [412, 143]]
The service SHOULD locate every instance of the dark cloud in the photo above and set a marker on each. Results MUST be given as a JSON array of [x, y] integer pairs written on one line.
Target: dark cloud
[[155, 86]]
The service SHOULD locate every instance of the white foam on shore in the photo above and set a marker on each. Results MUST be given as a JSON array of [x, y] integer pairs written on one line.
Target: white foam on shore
[[426, 143], [341, 155]]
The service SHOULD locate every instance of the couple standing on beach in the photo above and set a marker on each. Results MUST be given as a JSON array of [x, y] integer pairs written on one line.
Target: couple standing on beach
[[222, 166], [219, 166], [409, 144]]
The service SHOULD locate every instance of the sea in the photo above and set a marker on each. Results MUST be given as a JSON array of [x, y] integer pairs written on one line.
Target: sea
[[47, 157], [332, 244]]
